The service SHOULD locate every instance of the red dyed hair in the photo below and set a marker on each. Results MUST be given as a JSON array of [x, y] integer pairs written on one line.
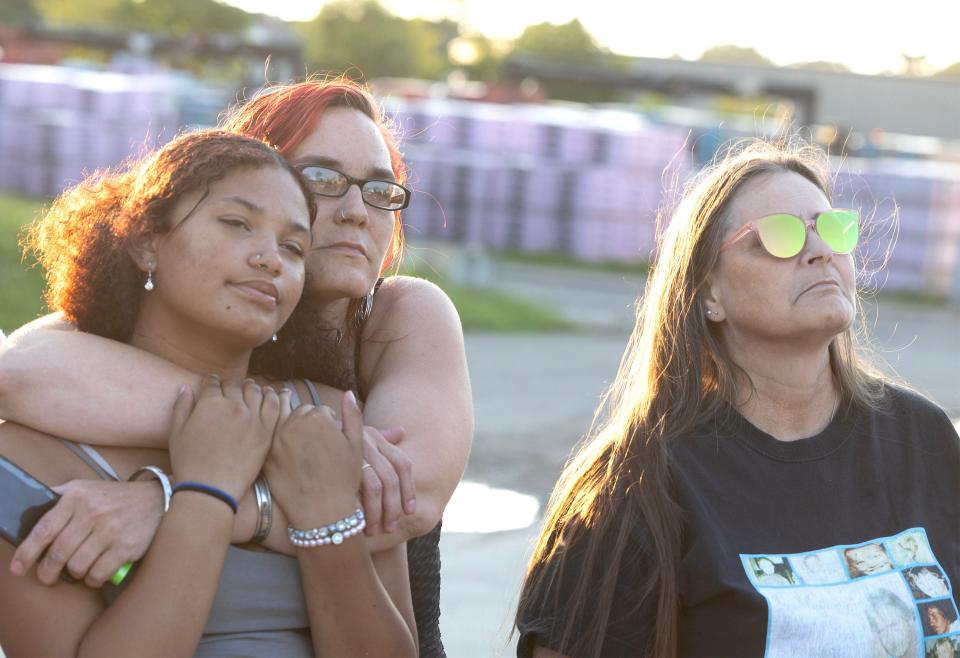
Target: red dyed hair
[[285, 115]]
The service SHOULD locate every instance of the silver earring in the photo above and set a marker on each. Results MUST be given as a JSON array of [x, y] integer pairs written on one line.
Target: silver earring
[[273, 338], [148, 286], [709, 312], [259, 257]]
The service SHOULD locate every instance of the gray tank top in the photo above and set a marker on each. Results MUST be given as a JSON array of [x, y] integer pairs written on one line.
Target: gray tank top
[[259, 610]]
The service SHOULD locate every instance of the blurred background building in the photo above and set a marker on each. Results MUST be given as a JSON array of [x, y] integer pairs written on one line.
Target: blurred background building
[[546, 143]]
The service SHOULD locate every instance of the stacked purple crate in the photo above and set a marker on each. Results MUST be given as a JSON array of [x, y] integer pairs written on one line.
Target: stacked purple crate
[[945, 222], [61, 123]]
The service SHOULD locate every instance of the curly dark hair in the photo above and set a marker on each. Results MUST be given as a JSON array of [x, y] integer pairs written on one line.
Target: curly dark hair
[[82, 241]]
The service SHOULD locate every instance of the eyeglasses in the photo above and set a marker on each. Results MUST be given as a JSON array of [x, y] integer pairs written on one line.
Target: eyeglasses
[[784, 235], [384, 194]]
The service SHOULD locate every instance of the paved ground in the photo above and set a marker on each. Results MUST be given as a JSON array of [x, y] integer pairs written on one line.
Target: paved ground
[[535, 396]]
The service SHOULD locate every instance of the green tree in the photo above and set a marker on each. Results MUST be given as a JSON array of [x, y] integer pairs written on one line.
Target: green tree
[[365, 40], [831, 67], [18, 12], [157, 16], [951, 72], [729, 54], [478, 56], [569, 43]]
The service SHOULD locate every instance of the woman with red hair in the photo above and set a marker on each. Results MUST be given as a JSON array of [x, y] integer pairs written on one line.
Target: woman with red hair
[[402, 355]]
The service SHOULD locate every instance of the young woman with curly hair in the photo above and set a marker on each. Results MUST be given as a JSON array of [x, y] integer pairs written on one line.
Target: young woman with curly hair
[[196, 256]]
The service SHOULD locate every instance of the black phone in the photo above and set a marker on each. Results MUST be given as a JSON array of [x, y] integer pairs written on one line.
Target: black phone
[[23, 500]]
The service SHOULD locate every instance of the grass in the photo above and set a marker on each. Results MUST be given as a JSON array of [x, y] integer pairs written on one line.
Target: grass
[[21, 287], [493, 310], [558, 259]]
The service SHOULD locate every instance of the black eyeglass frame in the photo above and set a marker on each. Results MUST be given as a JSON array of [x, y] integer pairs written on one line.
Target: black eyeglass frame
[[359, 182]]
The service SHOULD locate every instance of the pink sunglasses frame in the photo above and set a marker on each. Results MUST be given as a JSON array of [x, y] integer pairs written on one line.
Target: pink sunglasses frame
[[749, 227]]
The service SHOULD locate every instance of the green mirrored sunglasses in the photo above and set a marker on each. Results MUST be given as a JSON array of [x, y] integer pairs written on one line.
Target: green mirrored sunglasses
[[783, 235]]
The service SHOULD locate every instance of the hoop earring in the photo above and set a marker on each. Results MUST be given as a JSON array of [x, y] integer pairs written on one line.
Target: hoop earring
[[148, 286]]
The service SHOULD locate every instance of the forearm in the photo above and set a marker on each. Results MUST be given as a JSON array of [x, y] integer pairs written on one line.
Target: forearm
[[164, 609], [351, 613], [414, 365], [128, 403]]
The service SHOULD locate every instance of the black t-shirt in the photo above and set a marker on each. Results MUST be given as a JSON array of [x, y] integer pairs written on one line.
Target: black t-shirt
[[843, 544]]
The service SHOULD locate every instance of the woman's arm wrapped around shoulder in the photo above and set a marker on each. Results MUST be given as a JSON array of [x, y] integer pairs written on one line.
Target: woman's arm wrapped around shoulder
[[128, 403], [413, 367]]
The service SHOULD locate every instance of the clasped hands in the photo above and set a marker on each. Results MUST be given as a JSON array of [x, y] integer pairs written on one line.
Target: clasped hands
[[314, 460]]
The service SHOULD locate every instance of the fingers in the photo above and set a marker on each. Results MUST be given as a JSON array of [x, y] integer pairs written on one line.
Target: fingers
[[252, 394], [285, 409], [403, 467], [103, 569], [78, 565], [270, 408], [352, 419], [393, 434], [61, 550], [232, 390], [44, 532], [371, 498], [210, 386], [184, 405], [389, 485]]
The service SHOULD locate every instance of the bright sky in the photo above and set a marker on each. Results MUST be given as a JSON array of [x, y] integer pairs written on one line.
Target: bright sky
[[866, 36]]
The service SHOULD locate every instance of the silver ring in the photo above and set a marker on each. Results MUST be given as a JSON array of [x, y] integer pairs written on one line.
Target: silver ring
[[365, 466], [343, 215]]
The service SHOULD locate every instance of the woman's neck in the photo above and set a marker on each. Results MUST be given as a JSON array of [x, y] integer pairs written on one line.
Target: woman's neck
[[787, 393], [197, 349]]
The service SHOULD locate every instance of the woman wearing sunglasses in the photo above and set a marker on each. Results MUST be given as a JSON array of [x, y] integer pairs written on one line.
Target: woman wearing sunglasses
[[398, 345], [744, 429]]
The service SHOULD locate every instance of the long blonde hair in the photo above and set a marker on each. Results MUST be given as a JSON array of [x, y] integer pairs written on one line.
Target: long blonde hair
[[674, 376]]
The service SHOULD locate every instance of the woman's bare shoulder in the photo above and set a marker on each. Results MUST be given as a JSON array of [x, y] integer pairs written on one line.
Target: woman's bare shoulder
[[405, 302]]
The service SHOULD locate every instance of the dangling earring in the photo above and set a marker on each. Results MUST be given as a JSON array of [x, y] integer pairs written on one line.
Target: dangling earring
[[363, 310], [273, 338], [148, 286]]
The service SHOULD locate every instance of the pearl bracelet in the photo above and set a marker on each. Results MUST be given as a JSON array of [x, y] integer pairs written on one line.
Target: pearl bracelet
[[334, 533]]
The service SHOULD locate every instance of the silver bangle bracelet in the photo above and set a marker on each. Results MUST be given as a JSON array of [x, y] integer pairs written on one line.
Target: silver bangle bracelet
[[158, 473], [334, 533], [261, 492]]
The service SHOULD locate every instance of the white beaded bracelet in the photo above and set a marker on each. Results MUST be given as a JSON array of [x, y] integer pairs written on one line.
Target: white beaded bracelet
[[334, 533]]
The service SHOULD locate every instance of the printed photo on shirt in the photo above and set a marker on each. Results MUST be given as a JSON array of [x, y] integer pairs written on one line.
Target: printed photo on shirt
[[910, 548], [926, 582], [851, 600], [866, 560], [943, 647], [818, 568], [939, 617], [772, 570]]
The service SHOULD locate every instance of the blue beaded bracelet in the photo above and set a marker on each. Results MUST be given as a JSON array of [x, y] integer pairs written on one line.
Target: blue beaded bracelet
[[209, 490]]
